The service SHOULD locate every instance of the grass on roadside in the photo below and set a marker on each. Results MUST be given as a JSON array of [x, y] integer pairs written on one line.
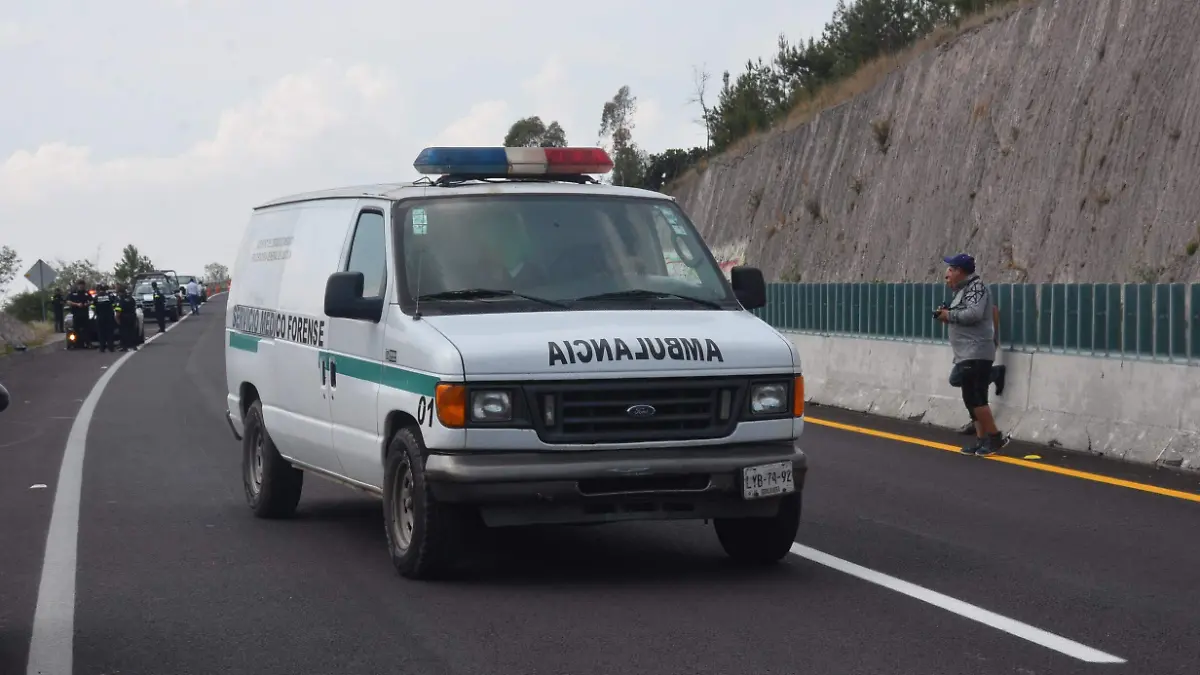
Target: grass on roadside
[[42, 331]]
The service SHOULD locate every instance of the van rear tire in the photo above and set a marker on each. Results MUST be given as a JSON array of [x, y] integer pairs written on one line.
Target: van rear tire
[[272, 485], [426, 538], [761, 541]]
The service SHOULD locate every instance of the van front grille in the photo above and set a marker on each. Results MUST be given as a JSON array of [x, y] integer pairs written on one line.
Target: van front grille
[[631, 411]]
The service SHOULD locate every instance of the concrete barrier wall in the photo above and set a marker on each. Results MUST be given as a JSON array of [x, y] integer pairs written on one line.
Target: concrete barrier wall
[[1135, 411]]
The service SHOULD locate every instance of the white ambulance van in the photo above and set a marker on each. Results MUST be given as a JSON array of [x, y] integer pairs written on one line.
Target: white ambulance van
[[510, 343]]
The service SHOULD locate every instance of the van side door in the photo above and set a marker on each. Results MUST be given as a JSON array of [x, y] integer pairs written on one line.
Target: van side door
[[297, 406], [355, 352]]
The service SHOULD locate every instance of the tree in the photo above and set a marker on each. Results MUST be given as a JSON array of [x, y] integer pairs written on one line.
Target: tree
[[858, 32], [531, 132], [700, 83], [662, 168], [132, 263], [616, 123], [27, 306], [9, 264], [216, 272], [69, 273]]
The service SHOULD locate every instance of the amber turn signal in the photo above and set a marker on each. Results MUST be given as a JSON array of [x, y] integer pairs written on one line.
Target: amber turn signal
[[451, 400]]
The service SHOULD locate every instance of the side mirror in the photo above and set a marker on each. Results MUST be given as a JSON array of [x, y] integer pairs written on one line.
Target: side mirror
[[344, 298], [749, 286]]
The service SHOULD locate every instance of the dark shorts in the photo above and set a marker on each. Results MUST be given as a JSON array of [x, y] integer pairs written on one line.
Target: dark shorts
[[976, 378]]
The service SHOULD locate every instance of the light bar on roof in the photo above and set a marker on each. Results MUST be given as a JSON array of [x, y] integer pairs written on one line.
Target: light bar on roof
[[501, 162]]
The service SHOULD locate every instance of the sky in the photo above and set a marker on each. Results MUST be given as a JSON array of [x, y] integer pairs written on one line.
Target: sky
[[161, 123]]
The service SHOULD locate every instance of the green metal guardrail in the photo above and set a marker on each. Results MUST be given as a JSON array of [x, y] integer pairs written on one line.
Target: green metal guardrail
[[1148, 321]]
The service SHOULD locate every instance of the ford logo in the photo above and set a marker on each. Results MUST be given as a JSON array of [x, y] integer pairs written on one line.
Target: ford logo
[[640, 410]]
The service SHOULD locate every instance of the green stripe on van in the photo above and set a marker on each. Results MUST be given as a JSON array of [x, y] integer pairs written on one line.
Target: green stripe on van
[[246, 343], [376, 372], [408, 380]]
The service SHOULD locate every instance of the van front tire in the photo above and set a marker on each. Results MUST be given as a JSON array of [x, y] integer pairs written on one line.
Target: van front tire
[[425, 538], [272, 485], [761, 541]]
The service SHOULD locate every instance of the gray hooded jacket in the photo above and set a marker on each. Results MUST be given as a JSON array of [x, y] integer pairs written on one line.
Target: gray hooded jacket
[[971, 331]]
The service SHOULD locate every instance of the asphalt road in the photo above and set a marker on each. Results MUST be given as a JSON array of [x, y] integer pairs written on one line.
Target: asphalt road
[[175, 576]]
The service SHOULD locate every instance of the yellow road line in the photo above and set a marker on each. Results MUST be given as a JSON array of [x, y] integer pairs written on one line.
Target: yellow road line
[[1095, 477]]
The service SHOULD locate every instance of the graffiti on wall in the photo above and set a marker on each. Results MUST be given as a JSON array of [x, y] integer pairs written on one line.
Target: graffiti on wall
[[730, 255]]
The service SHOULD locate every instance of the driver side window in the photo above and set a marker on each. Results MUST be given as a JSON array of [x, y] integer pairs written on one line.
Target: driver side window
[[368, 253]]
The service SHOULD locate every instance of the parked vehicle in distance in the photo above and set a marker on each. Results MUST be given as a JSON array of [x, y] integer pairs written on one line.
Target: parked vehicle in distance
[[74, 339], [168, 285], [183, 282]]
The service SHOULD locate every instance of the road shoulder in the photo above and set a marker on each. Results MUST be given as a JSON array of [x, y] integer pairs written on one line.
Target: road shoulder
[[1028, 453]]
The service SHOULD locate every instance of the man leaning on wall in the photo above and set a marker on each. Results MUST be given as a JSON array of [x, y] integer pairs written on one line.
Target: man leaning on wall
[[972, 341]]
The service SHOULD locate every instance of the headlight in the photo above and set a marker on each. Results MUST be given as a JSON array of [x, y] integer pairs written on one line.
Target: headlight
[[768, 399], [491, 406]]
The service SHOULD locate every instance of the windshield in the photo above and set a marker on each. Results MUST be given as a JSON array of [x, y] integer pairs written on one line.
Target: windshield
[[561, 248], [144, 287]]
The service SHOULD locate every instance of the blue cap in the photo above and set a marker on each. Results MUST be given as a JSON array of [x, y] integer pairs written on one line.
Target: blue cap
[[962, 261]]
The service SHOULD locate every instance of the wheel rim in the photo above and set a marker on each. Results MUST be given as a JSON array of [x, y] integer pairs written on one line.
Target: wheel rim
[[255, 468], [403, 518]]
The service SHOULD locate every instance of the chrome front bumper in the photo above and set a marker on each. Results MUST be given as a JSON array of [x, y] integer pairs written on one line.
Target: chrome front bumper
[[521, 488]]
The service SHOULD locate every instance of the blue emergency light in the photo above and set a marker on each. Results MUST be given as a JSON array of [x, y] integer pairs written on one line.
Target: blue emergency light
[[501, 162]]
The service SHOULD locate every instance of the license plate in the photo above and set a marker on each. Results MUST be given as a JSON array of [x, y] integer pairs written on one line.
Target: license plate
[[768, 480], [148, 296]]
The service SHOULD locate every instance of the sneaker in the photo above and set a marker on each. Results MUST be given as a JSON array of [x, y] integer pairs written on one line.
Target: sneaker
[[993, 444], [1001, 372], [973, 449]]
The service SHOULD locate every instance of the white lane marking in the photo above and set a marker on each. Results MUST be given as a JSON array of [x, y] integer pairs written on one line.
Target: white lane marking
[[1011, 626], [52, 645]]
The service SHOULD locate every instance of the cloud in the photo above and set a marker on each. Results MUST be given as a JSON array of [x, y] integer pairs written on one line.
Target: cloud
[[485, 124], [647, 117], [14, 35], [258, 134], [544, 85]]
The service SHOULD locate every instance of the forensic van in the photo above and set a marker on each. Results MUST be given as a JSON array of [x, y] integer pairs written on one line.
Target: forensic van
[[504, 342]]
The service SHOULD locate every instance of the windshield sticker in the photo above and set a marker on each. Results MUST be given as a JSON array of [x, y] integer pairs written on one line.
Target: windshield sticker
[[673, 220], [420, 223], [645, 348]]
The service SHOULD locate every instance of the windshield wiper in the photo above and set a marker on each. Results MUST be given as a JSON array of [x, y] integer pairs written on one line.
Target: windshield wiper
[[636, 293], [480, 293]]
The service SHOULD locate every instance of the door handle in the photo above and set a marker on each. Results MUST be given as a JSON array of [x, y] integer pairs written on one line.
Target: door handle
[[322, 365], [333, 374]]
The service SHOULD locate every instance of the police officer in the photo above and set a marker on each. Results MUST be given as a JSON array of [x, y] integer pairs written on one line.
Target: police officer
[[105, 304], [127, 318], [58, 302], [160, 307], [79, 301]]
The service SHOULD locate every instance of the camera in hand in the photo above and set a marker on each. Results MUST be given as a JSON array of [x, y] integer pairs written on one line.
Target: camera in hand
[[939, 309]]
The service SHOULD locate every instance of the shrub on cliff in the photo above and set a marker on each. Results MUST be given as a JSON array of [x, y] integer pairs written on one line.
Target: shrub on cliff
[[814, 75]]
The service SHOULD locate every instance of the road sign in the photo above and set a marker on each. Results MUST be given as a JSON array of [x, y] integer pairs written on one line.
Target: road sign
[[41, 274]]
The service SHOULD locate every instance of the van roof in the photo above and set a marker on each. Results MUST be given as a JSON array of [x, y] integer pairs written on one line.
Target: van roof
[[397, 191]]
